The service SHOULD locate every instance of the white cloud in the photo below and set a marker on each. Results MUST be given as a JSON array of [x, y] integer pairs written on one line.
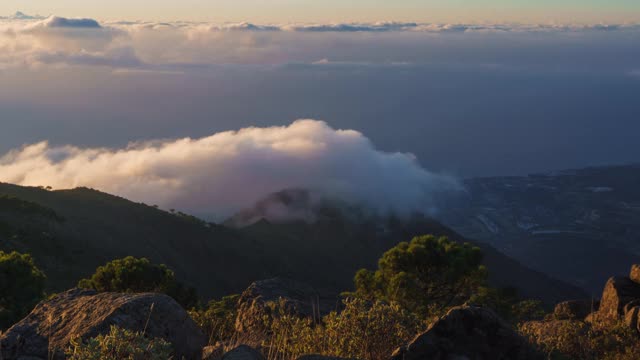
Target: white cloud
[[228, 171], [35, 41]]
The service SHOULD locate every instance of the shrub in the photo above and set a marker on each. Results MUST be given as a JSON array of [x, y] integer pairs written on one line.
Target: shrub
[[572, 339], [119, 344], [21, 287], [363, 330], [218, 319], [140, 275], [425, 276], [507, 304]]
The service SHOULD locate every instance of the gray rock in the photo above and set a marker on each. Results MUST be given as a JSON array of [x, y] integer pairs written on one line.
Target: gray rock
[[470, 333], [320, 357], [618, 292], [631, 318], [47, 331], [243, 352], [634, 275]]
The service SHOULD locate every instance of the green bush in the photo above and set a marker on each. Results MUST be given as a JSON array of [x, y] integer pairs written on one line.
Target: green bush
[[363, 330], [119, 344], [578, 340], [218, 319], [21, 287], [133, 275], [425, 276]]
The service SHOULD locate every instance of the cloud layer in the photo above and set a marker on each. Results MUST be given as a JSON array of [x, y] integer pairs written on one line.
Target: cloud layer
[[33, 41], [228, 171]]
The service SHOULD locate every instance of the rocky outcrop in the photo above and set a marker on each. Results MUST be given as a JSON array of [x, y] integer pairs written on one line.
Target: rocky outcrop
[[243, 352], [471, 333], [631, 318], [618, 292], [635, 273], [575, 309], [47, 331], [297, 298]]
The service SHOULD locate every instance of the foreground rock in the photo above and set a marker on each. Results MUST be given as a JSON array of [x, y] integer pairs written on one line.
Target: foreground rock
[[618, 292], [297, 298], [635, 273], [47, 331], [575, 309], [243, 352], [320, 357], [469, 333]]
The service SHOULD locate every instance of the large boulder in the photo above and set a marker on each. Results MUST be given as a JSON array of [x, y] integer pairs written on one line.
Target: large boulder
[[47, 331], [618, 292], [575, 309], [262, 297], [470, 333]]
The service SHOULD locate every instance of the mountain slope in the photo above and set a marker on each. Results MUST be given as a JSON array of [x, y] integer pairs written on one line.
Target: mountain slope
[[72, 232], [575, 225]]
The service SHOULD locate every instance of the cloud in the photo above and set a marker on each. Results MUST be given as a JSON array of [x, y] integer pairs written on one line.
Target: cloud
[[60, 22], [22, 16], [33, 41], [228, 171], [353, 27]]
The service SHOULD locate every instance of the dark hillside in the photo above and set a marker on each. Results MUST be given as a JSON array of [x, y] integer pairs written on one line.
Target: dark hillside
[[72, 232]]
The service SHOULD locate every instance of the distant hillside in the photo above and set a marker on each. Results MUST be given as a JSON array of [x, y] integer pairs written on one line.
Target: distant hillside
[[576, 225], [72, 232]]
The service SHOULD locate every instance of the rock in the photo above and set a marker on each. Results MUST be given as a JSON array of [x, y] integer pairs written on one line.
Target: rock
[[320, 357], [298, 298], [243, 352], [471, 333], [575, 309], [618, 292], [631, 318], [634, 275], [47, 331], [213, 352]]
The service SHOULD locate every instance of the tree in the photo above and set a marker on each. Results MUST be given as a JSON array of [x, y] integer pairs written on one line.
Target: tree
[[135, 275], [425, 276], [21, 287]]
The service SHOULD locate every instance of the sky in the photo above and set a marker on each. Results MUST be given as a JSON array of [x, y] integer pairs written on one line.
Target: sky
[[193, 111], [539, 11]]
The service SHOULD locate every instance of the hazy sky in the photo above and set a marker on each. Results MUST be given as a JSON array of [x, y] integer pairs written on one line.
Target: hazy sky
[[338, 10]]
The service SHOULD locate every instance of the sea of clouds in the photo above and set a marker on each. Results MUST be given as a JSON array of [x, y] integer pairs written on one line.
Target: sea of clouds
[[462, 96], [32, 41], [228, 171]]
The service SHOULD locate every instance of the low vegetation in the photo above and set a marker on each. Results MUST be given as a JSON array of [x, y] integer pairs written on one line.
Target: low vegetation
[[119, 344], [578, 340], [415, 283]]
